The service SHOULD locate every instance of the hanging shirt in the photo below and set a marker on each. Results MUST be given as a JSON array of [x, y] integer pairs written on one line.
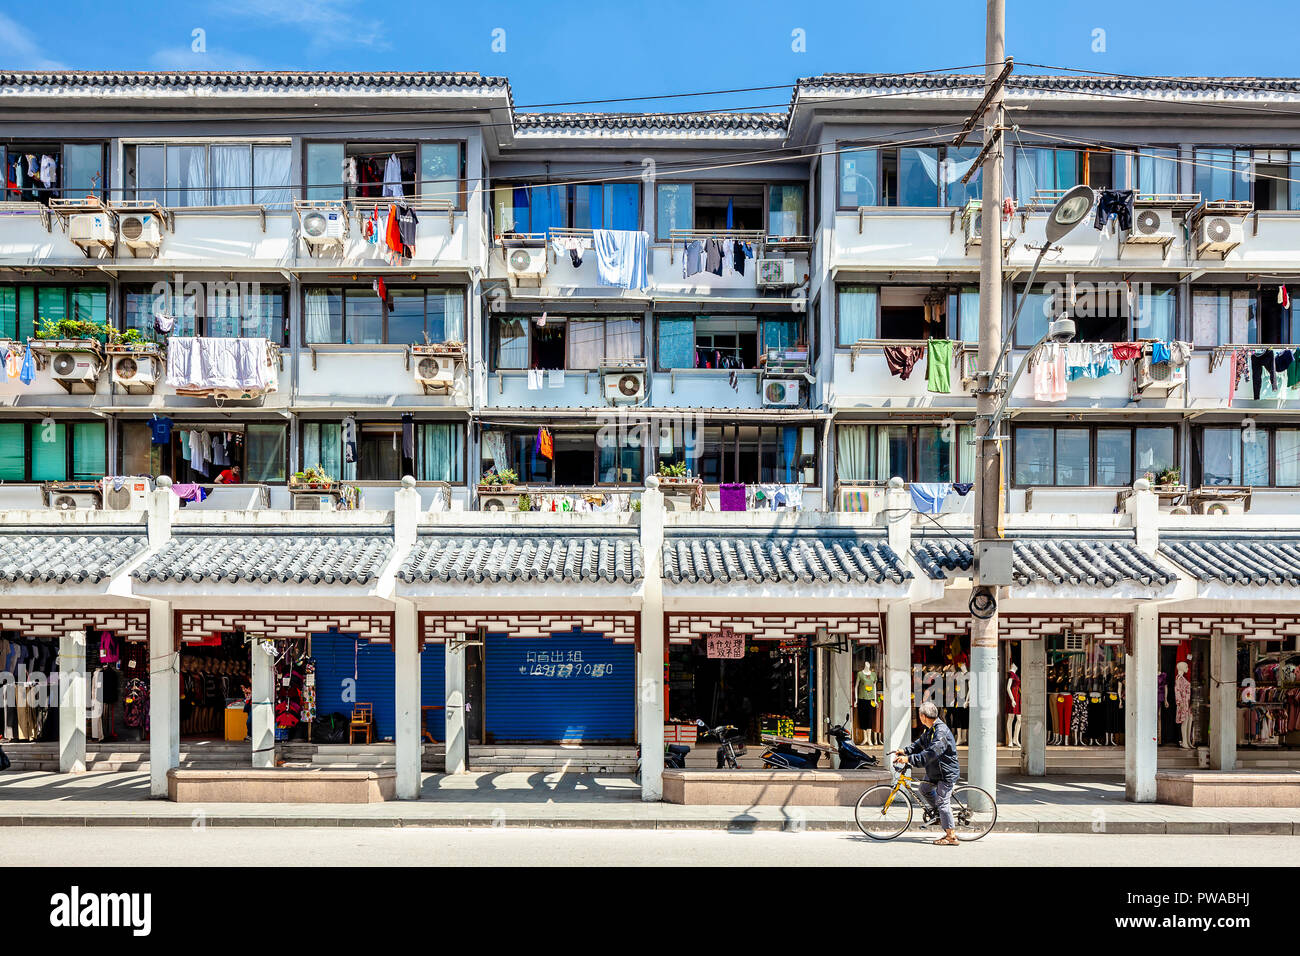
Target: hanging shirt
[[48, 174], [406, 222], [393, 177], [27, 374], [692, 258], [1049, 374], [938, 365], [160, 430], [349, 438]]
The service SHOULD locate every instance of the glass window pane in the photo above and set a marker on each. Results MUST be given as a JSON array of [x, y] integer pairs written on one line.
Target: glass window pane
[[918, 177], [89, 451], [1035, 316], [957, 163], [26, 311], [150, 174], [8, 312], [446, 315], [90, 304], [858, 170], [440, 172], [232, 175], [785, 211], [933, 454], [503, 209], [1114, 456], [623, 340], [13, 451], [1035, 172], [1221, 456], [323, 315], [1287, 441], [1034, 456], [406, 316], [49, 452], [1157, 172], [857, 308], [622, 206], [586, 343], [365, 317], [512, 342], [273, 177], [83, 170], [187, 175], [968, 308], [1254, 456], [1156, 313], [1072, 457], [442, 453], [890, 457], [52, 304], [264, 453], [324, 170], [676, 343], [1154, 451], [675, 206]]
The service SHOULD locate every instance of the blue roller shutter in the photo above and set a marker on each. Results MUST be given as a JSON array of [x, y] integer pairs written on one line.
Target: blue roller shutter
[[374, 678], [570, 688], [433, 688]]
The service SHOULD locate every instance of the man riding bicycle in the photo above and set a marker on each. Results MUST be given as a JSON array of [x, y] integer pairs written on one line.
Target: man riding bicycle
[[936, 751]]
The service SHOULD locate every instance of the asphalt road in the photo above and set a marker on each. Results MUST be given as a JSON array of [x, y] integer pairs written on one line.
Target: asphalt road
[[279, 847]]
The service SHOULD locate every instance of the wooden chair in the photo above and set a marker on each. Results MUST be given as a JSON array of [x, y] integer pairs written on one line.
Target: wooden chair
[[363, 721]]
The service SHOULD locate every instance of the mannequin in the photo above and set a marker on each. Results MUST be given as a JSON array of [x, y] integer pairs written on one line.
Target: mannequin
[[1013, 707], [868, 704], [962, 692], [1183, 705]]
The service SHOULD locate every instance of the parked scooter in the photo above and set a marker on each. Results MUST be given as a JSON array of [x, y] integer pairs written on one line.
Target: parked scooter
[[731, 743], [674, 757], [796, 755]]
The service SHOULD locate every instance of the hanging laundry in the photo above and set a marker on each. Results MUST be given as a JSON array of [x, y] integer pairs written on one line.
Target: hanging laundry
[[1078, 357], [1117, 205], [1159, 352], [713, 256], [393, 232], [13, 364], [938, 366], [901, 359], [408, 435], [731, 497], [27, 374], [189, 492], [928, 496], [621, 258], [1263, 362], [1049, 374], [160, 430], [1238, 371], [963, 488], [545, 444], [1283, 297], [738, 257], [407, 220], [555, 378], [349, 439], [350, 171], [1126, 351], [393, 177], [692, 258], [381, 289], [370, 227], [48, 174], [534, 379], [1180, 354]]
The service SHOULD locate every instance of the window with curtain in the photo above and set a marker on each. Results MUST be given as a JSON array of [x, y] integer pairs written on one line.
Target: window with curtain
[[918, 176], [676, 343], [607, 206], [1157, 311], [532, 208], [441, 171], [511, 342], [89, 451], [933, 453], [1235, 456], [22, 306], [1222, 173], [232, 175], [857, 313], [785, 211], [358, 317], [1108, 456], [1224, 317], [273, 177], [322, 444], [83, 170], [1286, 442], [49, 445], [781, 333], [440, 451], [323, 315], [957, 162], [13, 451], [265, 453], [586, 343], [228, 310], [852, 452], [968, 314], [1041, 168], [1156, 172], [859, 173], [1037, 313], [674, 208]]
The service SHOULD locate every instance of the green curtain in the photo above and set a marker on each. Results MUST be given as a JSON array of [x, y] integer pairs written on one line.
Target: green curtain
[[89, 451], [322, 444], [442, 453], [13, 451], [49, 452]]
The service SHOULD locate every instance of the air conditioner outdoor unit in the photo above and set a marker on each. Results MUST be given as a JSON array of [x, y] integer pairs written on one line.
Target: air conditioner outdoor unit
[[325, 226], [971, 222], [314, 503], [780, 393], [501, 502], [1160, 377], [1219, 234], [436, 371], [92, 229], [235, 395], [625, 387], [775, 274], [140, 231], [74, 501], [1153, 225], [74, 368], [132, 496], [1229, 507], [135, 373], [861, 500], [526, 261]]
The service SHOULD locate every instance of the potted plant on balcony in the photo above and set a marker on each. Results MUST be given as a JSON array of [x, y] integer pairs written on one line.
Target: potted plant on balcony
[[312, 479], [71, 335], [525, 502], [1168, 480], [498, 480], [131, 342]]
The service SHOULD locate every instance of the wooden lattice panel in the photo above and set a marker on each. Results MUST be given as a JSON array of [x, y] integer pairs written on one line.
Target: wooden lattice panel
[[437, 627], [937, 628], [129, 625], [374, 626], [1246, 627], [863, 628]]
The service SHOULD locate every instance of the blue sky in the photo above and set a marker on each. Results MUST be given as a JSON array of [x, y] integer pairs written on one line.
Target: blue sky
[[561, 51]]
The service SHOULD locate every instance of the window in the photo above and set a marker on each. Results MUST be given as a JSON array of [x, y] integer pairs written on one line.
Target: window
[[1156, 172], [1040, 170], [674, 209], [439, 451], [53, 451], [877, 453], [1223, 173], [580, 458], [222, 174], [906, 313], [212, 309], [1097, 456], [377, 170], [908, 176], [356, 316], [260, 451], [23, 307], [858, 319], [75, 171], [724, 342], [858, 179], [538, 207], [1101, 312], [600, 341], [785, 211], [780, 210], [265, 451], [1239, 317], [442, 173], [580, 343], [1238, 456], [751, 454]]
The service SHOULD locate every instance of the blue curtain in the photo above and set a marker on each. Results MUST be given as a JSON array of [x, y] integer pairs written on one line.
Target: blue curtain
[[441, 453], [622, 206], [677, 343], [780, 334], [790, 442], [1156, 315], [857, 313]]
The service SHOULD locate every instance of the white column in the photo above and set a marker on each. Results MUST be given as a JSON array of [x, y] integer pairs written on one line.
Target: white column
[[840, 692], [1223, 701], [650, 663], [1140, 668], [457, 740], [72, 702], [263, 716], [164, 694], [897, 719], [410, 747], [1033, 708]]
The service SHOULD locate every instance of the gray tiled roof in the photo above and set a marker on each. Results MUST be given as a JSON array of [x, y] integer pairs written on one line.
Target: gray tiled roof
[[46, 556], [774, 123], [1239, 86], [531, 557], [250, 80], [1263, 560], [786, 556], [1092, 562], [270, 556]]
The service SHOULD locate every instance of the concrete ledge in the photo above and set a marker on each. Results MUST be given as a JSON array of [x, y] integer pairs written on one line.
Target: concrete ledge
[[1228, 788], [280, 785], [770, 788]]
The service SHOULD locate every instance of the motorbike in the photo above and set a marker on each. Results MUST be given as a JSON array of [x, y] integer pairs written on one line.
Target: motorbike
[[792, 755], [674, 757], [731, 743]]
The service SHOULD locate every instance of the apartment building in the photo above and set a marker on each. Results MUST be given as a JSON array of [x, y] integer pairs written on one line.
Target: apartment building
[[449, 345]]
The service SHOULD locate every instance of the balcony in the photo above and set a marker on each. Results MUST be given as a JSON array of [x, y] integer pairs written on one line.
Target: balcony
[[862, 378], [342, 376]]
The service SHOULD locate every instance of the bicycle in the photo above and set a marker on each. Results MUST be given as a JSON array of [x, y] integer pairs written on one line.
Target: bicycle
[[885, 811]]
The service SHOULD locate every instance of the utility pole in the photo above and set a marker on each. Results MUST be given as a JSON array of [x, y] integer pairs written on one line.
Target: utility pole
[[983, 752]]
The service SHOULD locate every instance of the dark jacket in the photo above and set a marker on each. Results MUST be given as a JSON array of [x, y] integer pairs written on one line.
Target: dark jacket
[[936, 751]]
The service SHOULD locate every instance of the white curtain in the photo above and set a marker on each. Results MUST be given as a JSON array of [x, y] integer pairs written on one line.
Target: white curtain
[[622, 340], [272, 171], [232, 175], [586, 343], [317, 312], [851, 453], [453, 316]]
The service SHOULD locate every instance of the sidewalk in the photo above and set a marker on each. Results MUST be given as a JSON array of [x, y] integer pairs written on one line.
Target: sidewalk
[[1025, 805]]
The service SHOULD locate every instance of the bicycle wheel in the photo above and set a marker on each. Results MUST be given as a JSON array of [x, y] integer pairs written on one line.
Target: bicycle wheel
[[973, 812], [881, 822]]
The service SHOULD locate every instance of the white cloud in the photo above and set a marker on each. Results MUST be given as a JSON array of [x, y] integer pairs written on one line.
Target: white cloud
[[19, 49], [327, 23], [183, 58]]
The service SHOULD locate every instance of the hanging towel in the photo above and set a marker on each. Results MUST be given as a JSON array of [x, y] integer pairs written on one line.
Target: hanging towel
[[731, 497], [1160, 352], [27, 374], [938, 365], [209, 363], [620, 258], [1126, 351], [189, 492], [901, 359], [534, 379], [555, 378], [928, 496], [1049, 374]]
